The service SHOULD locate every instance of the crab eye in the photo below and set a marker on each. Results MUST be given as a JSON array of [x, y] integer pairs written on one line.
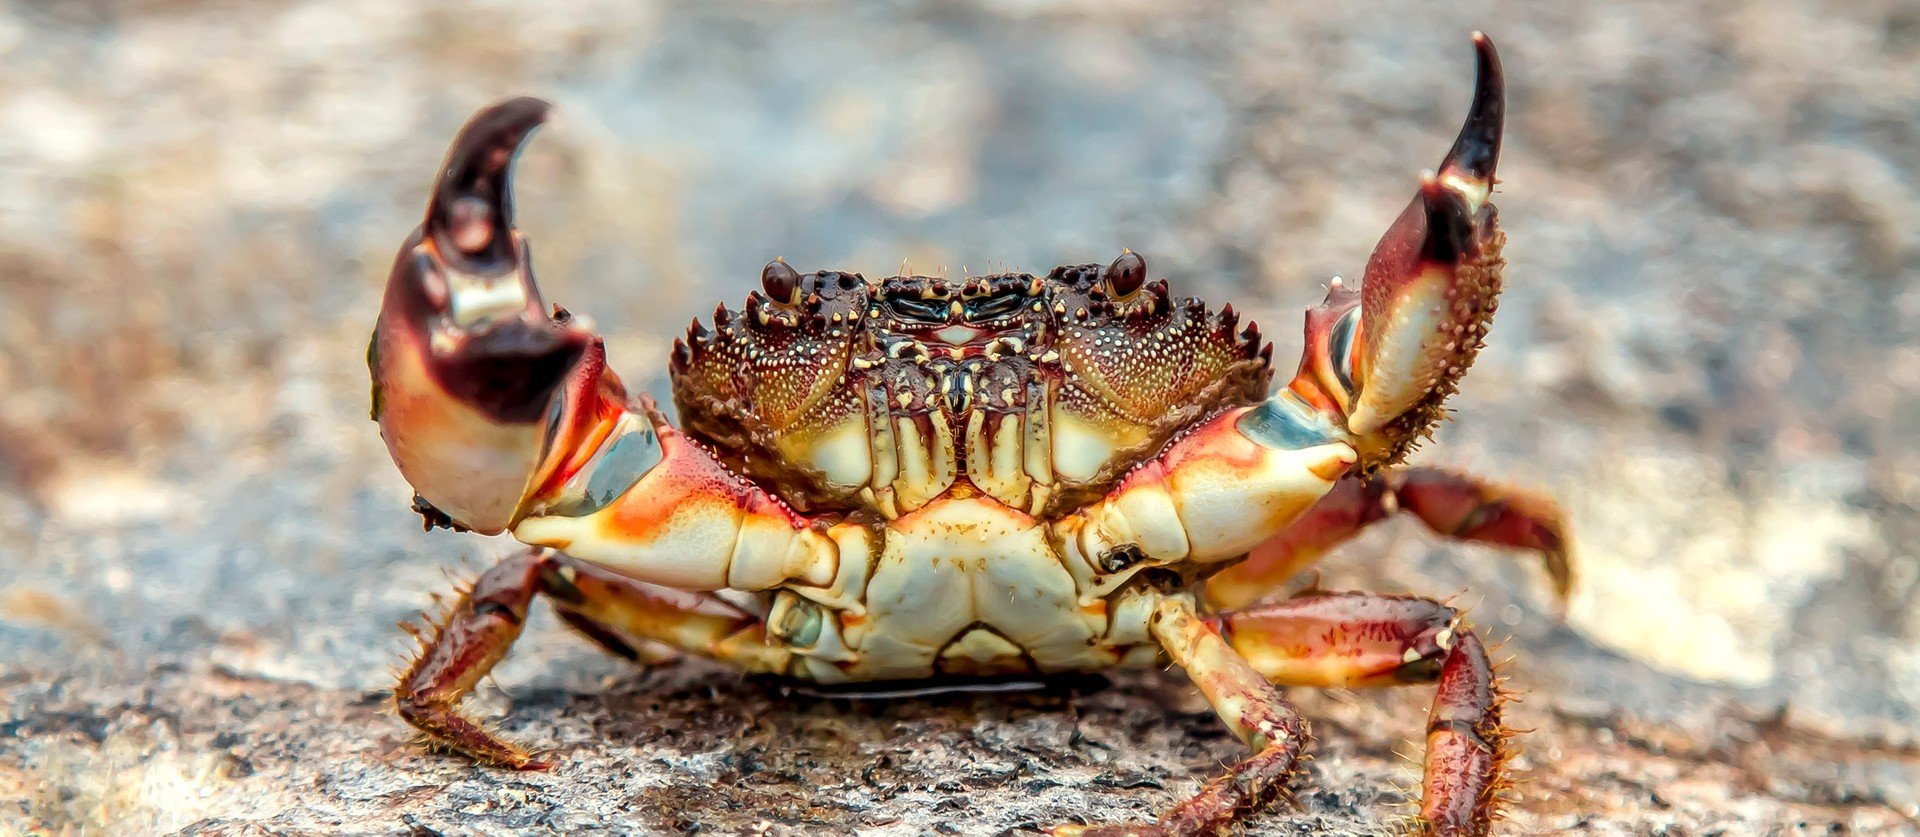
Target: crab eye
[[781, 281], [993, 308], [1126, 274], [923, 310]]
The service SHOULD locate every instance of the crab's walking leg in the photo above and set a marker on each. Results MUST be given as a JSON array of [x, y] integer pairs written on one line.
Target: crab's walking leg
[[1464, 744], [1458, 506], [697, 623], [1466, 508], [1359, 639], [477, 631], [1252, 708], [474, 636]]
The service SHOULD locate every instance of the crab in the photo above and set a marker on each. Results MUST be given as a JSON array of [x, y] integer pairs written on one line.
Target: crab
[[948, 478]]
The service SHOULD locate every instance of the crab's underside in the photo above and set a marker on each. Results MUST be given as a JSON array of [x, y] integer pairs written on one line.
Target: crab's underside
[[923, 476]]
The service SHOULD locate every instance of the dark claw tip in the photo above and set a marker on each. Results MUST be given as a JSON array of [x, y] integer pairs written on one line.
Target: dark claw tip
[[472, 207], [1477, 150]]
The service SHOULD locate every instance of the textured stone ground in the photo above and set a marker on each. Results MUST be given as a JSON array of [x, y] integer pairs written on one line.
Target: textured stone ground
[[1710, 351]]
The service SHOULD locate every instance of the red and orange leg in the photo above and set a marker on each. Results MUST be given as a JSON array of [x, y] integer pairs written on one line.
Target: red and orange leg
[[1254, 711], [477, 631], [1458, 506], [1361, 640], [1464, 508], [1333, 640], [473, 636]]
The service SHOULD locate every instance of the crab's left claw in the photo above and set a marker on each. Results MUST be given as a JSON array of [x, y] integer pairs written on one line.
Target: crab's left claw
[[1427, 298], [466, 359]]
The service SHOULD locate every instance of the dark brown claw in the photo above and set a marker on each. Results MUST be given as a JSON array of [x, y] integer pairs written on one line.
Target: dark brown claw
[[472, 207], [510, 354], [469, 277], [467, 363], [1476, 151], [1453, 198]]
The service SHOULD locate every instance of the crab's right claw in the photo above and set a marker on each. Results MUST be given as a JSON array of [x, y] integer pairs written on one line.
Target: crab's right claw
[[1427, 298], [466, 360]]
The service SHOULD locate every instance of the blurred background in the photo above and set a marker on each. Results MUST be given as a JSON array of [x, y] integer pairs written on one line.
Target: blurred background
[[1709, 351]]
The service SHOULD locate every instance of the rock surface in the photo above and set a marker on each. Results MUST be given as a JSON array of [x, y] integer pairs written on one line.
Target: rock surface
[[1710, 351]]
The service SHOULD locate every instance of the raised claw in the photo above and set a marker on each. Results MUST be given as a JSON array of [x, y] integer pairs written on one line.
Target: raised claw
[[1430, 287], [466, 359], [493, 344]]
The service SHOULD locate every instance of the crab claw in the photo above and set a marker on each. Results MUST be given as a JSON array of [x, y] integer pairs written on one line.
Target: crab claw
[[465, 358], [1430, 286]]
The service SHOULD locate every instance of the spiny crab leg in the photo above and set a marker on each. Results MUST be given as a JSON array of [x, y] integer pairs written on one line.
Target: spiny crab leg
[[1344, 640], [1455, 505], [1336, 639], [469, 640], [1362, 639], [1252, 708], [477, 631]]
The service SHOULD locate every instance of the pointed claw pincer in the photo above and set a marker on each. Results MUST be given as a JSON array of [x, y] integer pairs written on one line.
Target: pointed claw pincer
[[466, 359], [1431, 286]]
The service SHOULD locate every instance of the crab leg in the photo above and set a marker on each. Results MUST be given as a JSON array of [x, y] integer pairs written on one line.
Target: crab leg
[[1252, 708], [503, 415], [697, 623], [1360, 639], [1458, 506], [655, 505], [1343, 640], [475, 634], [473, 637]]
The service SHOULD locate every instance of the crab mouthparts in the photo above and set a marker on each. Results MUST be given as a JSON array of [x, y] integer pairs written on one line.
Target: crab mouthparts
[[958, 335]]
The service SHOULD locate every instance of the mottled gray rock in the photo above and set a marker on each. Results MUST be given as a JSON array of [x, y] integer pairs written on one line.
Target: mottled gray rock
[[1710, 351]]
